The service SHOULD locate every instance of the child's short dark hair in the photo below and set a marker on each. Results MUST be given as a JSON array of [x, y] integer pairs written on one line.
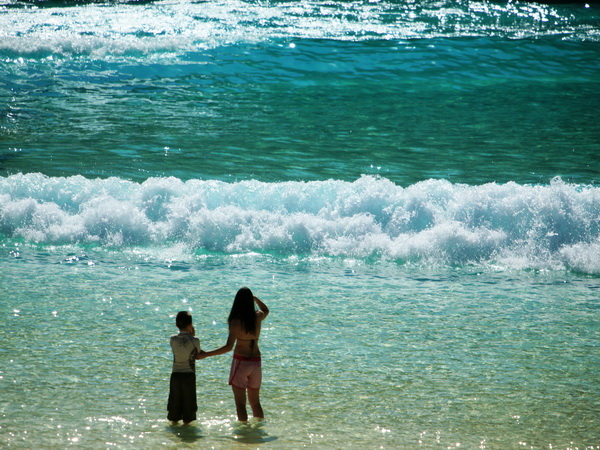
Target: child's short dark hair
[[183, 319]]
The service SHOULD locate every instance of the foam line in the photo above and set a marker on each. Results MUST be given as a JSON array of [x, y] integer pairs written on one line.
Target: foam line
[[553, 225]]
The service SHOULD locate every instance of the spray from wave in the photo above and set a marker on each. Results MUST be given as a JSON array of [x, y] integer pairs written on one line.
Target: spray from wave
[[433, 222]]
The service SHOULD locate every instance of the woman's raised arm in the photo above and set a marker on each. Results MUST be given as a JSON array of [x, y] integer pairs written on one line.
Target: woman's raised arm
[[264, 308]]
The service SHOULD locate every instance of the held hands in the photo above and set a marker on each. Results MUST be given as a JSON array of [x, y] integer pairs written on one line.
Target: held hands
[[201, 355]]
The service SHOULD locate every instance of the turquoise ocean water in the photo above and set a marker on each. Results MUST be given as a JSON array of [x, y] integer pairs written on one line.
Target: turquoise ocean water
[[412, 188]]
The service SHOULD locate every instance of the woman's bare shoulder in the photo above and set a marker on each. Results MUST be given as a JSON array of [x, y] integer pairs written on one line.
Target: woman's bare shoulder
[[235, 326]]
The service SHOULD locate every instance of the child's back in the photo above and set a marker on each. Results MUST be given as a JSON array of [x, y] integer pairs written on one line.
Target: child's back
[[185, 348]]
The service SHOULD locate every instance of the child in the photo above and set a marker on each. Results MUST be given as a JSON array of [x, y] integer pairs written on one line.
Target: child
[[182, 388]]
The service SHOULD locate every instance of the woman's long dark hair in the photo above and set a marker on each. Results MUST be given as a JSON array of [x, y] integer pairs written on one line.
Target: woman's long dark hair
[[243, 310]]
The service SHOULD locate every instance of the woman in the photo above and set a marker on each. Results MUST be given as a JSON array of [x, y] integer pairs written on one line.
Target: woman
[[244, 331]]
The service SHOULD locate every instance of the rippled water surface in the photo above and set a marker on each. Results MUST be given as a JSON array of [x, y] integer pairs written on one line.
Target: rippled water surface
[[354, 354]]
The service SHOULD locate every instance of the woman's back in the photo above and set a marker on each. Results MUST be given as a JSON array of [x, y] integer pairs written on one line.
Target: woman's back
[[246, 343]]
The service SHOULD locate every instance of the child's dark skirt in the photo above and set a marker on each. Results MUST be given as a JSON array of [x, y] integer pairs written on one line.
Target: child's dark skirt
[[182, 397]]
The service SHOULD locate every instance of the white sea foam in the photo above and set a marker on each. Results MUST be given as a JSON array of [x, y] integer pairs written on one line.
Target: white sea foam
[[551, 226], [181, 26]]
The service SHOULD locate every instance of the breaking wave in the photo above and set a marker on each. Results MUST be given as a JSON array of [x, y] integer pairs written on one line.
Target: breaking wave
[[432, 222], [115, 29]]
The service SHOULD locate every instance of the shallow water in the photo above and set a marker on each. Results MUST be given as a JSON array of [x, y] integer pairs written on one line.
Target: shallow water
[[355, 354]]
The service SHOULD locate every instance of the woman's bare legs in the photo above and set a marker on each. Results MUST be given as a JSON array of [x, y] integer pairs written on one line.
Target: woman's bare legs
[[254, 398], [240, 403]]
